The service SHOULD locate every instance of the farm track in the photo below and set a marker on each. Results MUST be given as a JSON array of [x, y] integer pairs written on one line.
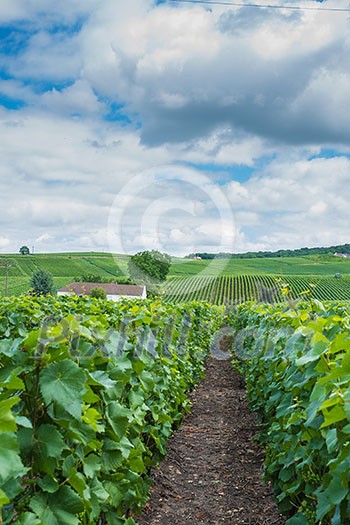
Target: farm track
[[212, 473]]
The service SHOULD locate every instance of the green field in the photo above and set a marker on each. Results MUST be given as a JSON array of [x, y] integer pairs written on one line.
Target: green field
[[236, 289], [307, 265], [66, 266]]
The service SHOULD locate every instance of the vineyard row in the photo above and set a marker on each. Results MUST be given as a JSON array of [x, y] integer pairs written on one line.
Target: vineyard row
[[238, 289]]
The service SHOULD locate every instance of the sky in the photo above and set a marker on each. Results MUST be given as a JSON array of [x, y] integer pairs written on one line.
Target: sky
[[137, 125]]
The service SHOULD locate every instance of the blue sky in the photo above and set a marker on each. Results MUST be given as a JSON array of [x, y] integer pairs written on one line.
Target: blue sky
[[247, 109]]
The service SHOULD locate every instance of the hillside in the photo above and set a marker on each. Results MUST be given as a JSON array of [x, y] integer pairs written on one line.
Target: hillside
[[307, 265], [66, 266]]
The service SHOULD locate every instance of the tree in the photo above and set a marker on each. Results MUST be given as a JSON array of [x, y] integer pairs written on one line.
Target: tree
[[24, 250], [42, 283], [98, 293], [149, 267]]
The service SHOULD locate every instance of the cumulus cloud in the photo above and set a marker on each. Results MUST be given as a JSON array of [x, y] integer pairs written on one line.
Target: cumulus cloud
[[77, 98], [93, 94], [295, 204], [190, 70]]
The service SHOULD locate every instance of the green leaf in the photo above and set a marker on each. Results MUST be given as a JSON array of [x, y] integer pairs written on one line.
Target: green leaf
[[7, 419], [78, 482], [13, 382], [3, 499], [48, 484], [113, 519], [323, 506], [63, 383], [334, 415], [314, 354], [331, 439], [51, 442], [91, 465], [118, 416], [31, 340], [345, 365], [98, 490], [23, 421], [346, 429], [58, 508], [28, 518], [101, 378], [10, 461], [336, 491], [9, 347], [91, 416]]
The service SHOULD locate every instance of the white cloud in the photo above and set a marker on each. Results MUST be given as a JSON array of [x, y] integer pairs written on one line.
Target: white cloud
[[4, 242], [54, 57], [260, 80], [234, 91], [43, 238], [297, 204], [77, 98]]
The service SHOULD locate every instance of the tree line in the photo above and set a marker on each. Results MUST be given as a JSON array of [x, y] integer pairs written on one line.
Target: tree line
[[330, 250]]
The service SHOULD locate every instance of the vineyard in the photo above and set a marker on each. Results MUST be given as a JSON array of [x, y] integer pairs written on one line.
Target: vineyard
[[297, 368], [264, 288], [90, 391], [65, 267]]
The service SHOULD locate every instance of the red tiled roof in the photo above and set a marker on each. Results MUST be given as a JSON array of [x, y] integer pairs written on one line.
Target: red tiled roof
[[110, 288]]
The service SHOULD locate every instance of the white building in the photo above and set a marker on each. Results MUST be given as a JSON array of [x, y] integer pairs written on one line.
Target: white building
[[113, 291]]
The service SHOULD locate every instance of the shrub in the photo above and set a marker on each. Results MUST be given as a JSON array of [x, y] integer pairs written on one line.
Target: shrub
[[42, 283], [98, 293]]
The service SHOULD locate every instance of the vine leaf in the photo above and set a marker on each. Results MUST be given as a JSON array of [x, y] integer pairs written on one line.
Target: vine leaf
[[64, 383], [58, 508], [50, 441], [7, 419], [10, 461]]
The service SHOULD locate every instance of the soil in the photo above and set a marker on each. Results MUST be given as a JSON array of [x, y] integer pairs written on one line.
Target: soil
[[212, 474]]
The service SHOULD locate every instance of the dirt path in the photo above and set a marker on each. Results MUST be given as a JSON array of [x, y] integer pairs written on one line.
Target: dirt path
[[212, 473]]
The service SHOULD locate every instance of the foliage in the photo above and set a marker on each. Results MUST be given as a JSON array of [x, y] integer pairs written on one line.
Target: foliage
[[98, 293], [343, 248], [94, 278], [24, 250], [149, 267], [89, 394], [297, 368], [42, 283]]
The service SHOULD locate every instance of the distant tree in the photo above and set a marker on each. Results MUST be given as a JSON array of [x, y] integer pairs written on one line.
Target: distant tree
[[98, 293], [89, 278], [42, 283], [93, 278], [149, 267], [24, 250]]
